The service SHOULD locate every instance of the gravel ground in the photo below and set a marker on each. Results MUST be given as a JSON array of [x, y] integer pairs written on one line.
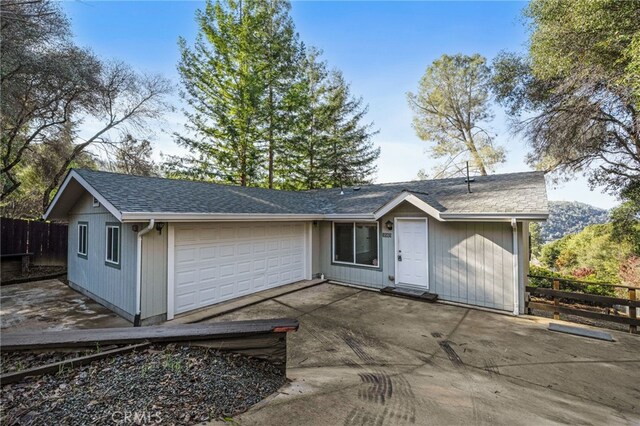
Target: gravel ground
[[15, 361], [161, 385]]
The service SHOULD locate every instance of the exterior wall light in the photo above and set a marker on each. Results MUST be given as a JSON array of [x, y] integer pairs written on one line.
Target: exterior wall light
[[389, 225], [159, 227]]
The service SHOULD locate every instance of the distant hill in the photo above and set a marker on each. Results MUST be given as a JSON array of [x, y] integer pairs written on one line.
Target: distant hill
[[569, 217]]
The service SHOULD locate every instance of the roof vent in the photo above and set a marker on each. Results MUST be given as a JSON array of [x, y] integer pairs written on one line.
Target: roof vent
[[357, 188], [468, 180]]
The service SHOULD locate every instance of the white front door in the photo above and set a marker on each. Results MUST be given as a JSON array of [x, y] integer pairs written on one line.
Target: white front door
[[411, 252]]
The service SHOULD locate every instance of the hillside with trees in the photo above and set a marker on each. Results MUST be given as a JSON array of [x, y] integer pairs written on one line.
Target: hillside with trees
[[570, 217], [596, 253]]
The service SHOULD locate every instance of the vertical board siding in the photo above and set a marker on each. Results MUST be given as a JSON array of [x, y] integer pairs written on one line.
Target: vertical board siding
[[469, 262], [154, 273], [113, 285]]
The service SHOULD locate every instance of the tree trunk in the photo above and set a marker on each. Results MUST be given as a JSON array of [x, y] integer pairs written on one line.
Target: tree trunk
[[271, 141], [471, 146]]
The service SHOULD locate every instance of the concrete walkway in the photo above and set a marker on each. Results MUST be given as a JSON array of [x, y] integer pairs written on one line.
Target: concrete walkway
[[51, 305], [362, 358]]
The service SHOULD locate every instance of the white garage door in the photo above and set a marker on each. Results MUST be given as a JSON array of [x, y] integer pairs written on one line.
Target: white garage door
[[220, 261]]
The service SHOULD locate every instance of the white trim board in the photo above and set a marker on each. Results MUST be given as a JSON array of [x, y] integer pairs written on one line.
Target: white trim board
[[171, 257]]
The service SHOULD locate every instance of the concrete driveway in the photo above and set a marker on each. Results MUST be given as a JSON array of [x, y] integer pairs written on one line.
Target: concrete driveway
[[362, 358], [51, 305]]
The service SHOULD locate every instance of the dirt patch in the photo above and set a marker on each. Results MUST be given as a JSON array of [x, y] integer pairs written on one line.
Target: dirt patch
[[35, 273], [171, 384]]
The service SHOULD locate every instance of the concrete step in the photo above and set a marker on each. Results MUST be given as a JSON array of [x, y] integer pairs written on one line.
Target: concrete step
[[410, 293]]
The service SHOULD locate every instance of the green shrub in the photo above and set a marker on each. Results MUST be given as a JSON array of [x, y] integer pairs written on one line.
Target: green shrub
[[546, 281]]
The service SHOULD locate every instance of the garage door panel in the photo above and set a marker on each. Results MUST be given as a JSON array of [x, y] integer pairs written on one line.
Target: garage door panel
[[217, 262]]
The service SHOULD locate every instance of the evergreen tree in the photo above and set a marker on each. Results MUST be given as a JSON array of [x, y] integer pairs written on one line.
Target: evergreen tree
[[331, 146], [452, 110], [221, 77], [282, 54], [263, 110], [351, 156], [304, 148]]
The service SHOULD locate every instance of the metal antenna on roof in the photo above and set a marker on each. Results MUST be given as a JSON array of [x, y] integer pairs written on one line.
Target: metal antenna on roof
[[468, 179]]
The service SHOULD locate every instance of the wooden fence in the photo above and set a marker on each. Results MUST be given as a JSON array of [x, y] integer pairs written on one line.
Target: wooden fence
[[45, 242], [555, 295]]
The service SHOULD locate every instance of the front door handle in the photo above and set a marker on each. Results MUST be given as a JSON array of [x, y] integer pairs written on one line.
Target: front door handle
[[399, 258]]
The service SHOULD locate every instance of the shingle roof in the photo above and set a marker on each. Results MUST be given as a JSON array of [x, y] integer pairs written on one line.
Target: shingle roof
[[504, 193]]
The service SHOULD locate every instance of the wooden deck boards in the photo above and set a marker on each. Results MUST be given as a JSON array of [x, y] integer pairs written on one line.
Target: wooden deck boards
[[129, 335]]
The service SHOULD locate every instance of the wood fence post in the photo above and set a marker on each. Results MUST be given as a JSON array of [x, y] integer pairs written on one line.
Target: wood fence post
[[633, 311], [556, 300]]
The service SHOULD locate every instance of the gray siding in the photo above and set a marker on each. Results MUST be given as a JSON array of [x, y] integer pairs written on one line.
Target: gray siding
[[469, 262], [472, 263], [115, 286], [154, 273]]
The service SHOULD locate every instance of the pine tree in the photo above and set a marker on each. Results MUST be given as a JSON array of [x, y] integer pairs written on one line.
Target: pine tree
[[221, 77], [351, 155], [282, 53], [309, 138], [263, 110]]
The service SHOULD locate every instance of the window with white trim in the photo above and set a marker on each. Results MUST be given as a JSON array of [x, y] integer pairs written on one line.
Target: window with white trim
[[356, 243], [83, 228], [96, 203], [113, 244]]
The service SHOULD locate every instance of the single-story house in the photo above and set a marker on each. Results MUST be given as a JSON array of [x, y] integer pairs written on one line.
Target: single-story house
[[151, 248]]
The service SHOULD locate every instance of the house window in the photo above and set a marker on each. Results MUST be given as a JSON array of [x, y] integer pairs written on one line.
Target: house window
[[96, 203], [113, 245], [82, 239], [355, 243]]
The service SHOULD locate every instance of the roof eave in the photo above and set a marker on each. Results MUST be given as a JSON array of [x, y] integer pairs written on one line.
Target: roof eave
[[217, 217], [493, 217]]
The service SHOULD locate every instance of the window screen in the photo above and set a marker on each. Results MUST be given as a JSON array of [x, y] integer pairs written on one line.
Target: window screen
[[343, 240], [367, 244], [113, 244], [82, 239]]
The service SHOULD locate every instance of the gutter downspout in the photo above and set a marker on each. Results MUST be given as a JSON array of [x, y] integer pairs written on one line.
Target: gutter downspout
[[516, 269], [136, 318]]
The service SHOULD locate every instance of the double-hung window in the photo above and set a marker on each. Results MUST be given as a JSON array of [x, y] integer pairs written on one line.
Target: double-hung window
[[83, 228], [356, 243], [113, 245]]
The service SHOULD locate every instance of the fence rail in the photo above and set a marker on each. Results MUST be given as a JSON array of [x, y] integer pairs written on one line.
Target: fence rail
[[45, 242], [556, 295]]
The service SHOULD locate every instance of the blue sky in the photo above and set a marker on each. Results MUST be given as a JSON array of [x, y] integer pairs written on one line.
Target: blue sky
[[382, 48]]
